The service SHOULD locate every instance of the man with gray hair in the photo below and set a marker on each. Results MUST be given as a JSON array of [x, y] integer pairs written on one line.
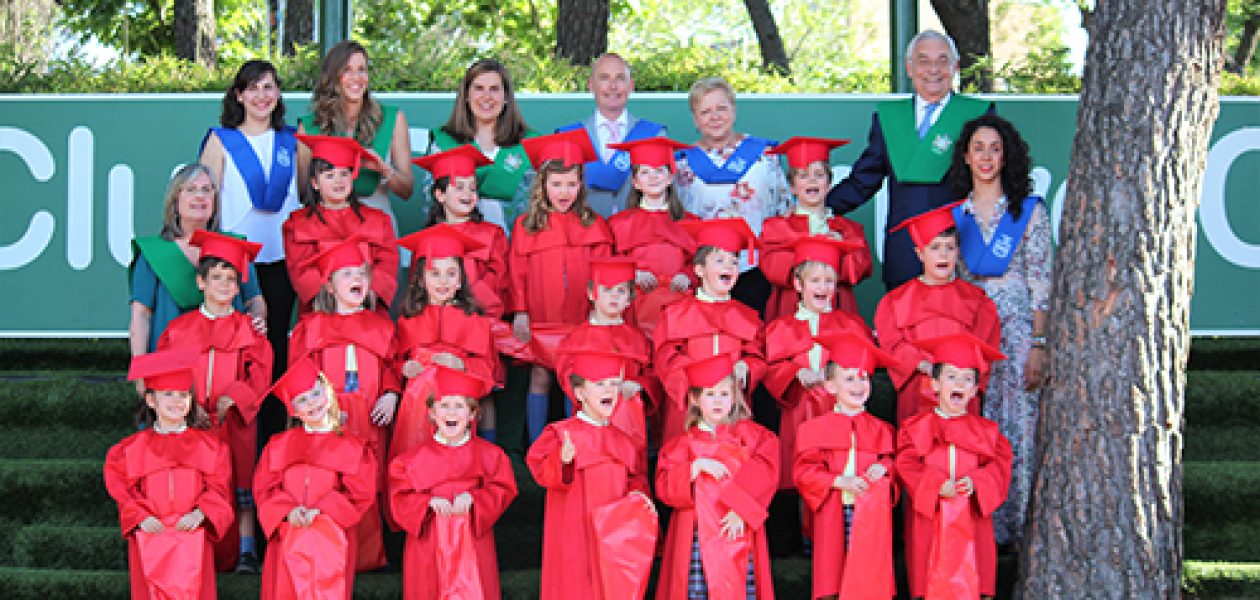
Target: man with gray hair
[[608, 179], [911, 143]]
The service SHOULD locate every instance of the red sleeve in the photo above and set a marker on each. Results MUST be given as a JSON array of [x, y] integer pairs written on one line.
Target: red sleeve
[[754, 355], [922, 482], [384, 260], [673, 474], [299, 346], [810, 474], [496, 492], [856, 264], [543, 460], [776, 252], [894, 340], [217, 498], [408, 503], [518, 272], [668, 355], [247, 392], [992, 478], [494, 275], [274, 503], [358, 489], [749, 491], [306, 281], [132, 506], [784, 363]]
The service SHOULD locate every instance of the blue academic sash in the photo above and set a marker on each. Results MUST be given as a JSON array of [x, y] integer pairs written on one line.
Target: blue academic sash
[[744, 157], [265, 193], [993, 258], [610, 176]]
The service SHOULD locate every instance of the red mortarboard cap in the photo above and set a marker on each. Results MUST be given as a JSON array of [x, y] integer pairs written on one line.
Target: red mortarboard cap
[[801, 151], [925, 227], [821, 248], [598, 366], [571, 147], [452, 382], [346, 253], [166, 369], [653, 152], [440, 241], [707, 372], [730, 234], [234, 250], [962, 350], [461, 161], [298, 379], [612, 271], [342, 152], [852, 351]]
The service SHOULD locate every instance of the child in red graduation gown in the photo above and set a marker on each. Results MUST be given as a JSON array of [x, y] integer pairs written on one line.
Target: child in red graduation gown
[[455, 203], [719, 477], [934, 304], [549, 260], [710, 322], [956, 468], [171, 482], [333, 214], [809, 175], [606, 331], [843, 467], [233, 371], [599, 526], [795, 373], [447, 493], [353, 347], [648, 230], [441, 323], [314, 484]]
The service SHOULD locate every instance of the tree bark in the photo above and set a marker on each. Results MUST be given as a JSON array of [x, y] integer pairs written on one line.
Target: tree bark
[[1238, 63], [299, 25], [1107, 509], [967, 21], [774, 57], [194, 31], [581, 30]]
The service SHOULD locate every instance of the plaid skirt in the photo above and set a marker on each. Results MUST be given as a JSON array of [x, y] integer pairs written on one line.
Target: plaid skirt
[[697, 589]]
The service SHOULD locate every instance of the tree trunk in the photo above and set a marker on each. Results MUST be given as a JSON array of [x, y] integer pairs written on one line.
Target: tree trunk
[[299, 25], [967, 21], [26, 28], [582, 30], [194, 31], [1246, 47], [773, 57], [1107, 509]]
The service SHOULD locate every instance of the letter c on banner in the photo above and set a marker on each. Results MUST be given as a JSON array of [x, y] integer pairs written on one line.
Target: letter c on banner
[[38, 235], [1212, 210]]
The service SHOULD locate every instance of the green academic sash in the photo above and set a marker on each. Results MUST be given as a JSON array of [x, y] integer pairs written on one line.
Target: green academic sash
[[171, 267], [924, 160], [500, 179], [368, 180]]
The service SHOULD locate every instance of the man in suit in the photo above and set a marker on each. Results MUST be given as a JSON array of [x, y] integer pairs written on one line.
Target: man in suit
[[608, 179], [911, 143]]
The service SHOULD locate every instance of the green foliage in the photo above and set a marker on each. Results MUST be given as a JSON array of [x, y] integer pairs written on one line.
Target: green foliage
[[1236, 85]]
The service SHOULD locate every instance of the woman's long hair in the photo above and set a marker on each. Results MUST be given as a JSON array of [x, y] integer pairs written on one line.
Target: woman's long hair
[[328, 105], [535, 218], [437, 212], [172, 228], [417, 298], [233, 111], [1016, 162], [739, 408], [672, 201], [510, 127]]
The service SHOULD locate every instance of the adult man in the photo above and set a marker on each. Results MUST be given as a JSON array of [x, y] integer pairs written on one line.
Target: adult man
[[608, 179], [911, 142]]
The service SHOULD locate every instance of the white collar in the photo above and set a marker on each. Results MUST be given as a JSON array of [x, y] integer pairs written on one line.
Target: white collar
[[942, 414], [349, 312], [181, 429], [205, 312], [704, 296], [324, 429], [455, 444], [841, 410], [585, 418], [664, 207], [623, 119], [920, 103], [704, 426], [825, 213], [595, 320], [805, 313]]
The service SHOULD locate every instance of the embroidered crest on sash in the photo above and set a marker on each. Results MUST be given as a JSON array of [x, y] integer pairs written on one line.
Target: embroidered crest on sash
[[512, 162], [282, 157], [941, 143], [622, 161], [736, 165], [1002, 246]]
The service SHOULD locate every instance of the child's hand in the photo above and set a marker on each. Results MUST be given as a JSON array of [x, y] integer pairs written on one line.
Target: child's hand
[[835, 235], [412, 368], [567, 450], [708, 466], [191, 520], [651, 505], [680, 283], [732, 526], [448, 360], [222, 407], [462, 504], [809, 377], [741, 373], [520, 327], [630, 388], [151, 524], [374, 162], [925, 367], [876, 472], [964, 487], [300, 517], [645, 280], [383, 410], [851, 484], [259, 323], [441, 506], [948, 489]]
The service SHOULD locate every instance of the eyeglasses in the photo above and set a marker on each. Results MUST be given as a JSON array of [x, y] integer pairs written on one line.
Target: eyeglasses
[[206, 190]]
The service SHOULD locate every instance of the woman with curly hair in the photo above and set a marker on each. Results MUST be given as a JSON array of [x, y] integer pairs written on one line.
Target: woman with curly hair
[[1006, 249]]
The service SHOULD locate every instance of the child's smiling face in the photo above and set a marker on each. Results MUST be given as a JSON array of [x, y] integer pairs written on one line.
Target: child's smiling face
[[954, 388], [441, 280], [452, 416], [562, 189], [816, 284], [652, 181], [599, 398], [350, 287], [170, 406], [220, 285], [851, 388], [311, 406], [334, 185], [939, 258], [460, 197], [810, 185], [718, 272]]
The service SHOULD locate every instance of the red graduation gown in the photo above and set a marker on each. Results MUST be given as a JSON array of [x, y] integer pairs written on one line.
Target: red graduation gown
[[691, 329], [604, 470], [627, 340], [551, 268], [983, 454], [332, 472], [324, 337], [751, 452], [305, 236], [486, 267], [658, 244], [436, 330], [433, 469], [167, 476], [788, 341], [918, 311], [777, 236], [865, 568]]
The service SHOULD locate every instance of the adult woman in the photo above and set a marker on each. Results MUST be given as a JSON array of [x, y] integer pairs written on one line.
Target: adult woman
[[252, 154], [486, 114], [342, 105], [1005, 244], [162, 274], [729, 174]]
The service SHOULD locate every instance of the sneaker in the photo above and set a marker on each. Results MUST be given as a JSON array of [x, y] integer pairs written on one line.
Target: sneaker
[[248, 564]]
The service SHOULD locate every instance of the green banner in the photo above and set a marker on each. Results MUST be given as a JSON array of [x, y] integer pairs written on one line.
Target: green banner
[[83, 174]]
